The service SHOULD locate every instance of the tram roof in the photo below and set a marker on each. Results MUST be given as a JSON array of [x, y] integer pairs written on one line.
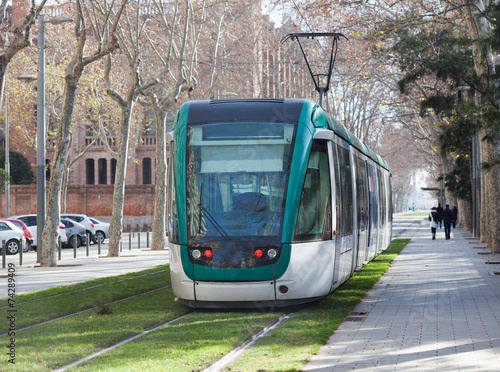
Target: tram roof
[[279, 109], [354, 141]]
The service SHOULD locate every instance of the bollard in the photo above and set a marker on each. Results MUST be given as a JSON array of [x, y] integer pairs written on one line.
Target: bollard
[[121, 245], [21, 255], [98, 247], [59, 250], [139, 240], [74, 249], [3, 254], [129, 241], [147, 239], [88, 244]]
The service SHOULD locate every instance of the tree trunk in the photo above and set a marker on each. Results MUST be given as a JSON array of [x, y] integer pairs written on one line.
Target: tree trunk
[[64, 189], [465, 214], [116, 223], [158, 226], [52, 221], [490, 149], [490, 201]]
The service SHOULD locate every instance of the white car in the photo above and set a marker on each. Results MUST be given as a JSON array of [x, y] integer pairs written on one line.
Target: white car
[[12, 236], [30, 221], [101, 230]]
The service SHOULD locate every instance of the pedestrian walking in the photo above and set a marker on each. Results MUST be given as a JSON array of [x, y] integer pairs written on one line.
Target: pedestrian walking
[[434, 218], [440, 212], [454, 211], [447, 217]]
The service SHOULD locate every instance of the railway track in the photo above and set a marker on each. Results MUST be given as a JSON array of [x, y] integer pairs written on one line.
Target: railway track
[[86, 309], [219, 365], [112, 347]]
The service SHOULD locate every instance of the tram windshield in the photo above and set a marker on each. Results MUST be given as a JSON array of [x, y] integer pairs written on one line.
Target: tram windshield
[[236, 179]]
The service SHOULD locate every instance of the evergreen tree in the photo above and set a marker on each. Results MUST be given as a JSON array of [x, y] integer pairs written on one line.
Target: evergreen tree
[[443, 62], [20, 170]]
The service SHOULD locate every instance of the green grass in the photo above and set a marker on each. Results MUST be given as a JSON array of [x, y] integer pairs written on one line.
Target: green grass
[[50, 345], [416, 214], [48, 304], [190, 344]]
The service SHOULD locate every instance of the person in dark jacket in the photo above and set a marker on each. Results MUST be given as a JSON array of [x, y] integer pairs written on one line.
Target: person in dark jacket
[[447, 217], [434, 218], [440, 213], [454, 211]]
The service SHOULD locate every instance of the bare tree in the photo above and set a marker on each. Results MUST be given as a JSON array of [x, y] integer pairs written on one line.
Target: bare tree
[[11, 45], [86, 12]]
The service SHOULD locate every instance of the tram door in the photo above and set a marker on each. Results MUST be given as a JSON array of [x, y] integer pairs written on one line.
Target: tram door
[[344, 214], [334, 180]]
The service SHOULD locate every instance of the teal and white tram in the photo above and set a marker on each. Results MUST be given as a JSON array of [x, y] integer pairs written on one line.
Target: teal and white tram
[[272, 202]]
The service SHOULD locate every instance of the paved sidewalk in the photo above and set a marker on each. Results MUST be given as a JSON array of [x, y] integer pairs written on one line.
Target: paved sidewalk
[[436, 309]]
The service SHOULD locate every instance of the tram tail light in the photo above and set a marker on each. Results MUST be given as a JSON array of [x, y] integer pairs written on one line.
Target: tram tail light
[[196, 253], [258, 253], [208, 253]]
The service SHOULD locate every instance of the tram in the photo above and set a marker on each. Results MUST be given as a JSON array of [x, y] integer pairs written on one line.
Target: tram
[[272, 202]]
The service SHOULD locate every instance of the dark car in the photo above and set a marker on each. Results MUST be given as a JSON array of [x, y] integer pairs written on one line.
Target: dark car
[[75, 232]]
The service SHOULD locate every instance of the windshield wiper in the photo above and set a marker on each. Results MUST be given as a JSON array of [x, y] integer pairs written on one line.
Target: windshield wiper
[[212, 220]]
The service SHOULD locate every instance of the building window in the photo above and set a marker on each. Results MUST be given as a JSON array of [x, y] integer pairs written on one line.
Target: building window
[[103, 171], [89, 171], [113, 171], [146, 171]]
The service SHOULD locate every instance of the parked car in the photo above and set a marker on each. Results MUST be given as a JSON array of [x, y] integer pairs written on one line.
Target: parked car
[[28, 236], [12, 236], [76, 233], [84, 220], [101, 230], [30, 221]]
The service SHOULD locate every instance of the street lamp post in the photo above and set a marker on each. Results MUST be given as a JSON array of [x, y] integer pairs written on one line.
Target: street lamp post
[[7, 157], [40, 128], [40, 145]]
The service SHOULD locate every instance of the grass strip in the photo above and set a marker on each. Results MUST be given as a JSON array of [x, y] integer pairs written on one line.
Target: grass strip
[[291, 346], [40, 306], [192, 344], [51, 345], [416, 214], [35, 295]]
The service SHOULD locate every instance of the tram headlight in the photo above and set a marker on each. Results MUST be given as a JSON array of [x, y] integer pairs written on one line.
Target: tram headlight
[[196, 253], [271, 253]]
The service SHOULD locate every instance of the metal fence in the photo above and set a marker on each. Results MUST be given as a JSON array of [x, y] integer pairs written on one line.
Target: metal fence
[[130, 241]]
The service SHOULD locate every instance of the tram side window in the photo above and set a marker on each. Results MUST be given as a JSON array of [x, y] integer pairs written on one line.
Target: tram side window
[[381, 190], [362, 193], [346, 190], [315, 210], [172, 221]]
